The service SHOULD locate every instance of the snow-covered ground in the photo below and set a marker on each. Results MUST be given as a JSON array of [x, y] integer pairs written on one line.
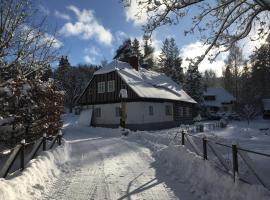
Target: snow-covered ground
[[99, 163]]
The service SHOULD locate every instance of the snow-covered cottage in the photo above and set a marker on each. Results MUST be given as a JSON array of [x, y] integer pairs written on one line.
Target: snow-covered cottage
[[217, 99], [153, 100]]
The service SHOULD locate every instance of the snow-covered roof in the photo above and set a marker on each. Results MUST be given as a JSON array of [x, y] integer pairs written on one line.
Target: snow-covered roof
[[221, 95], [266, 104], [146, 83]]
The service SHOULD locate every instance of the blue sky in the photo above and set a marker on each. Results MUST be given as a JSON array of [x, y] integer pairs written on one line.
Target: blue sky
[[90, 30]]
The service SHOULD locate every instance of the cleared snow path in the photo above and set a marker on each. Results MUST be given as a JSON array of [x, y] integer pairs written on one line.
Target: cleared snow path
[[107, 167]]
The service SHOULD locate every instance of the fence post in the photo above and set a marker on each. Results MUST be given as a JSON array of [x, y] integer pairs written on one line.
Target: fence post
[[204, 148], [59, 138], [44, 141], [22, 153], [183, 137], [235, 160]]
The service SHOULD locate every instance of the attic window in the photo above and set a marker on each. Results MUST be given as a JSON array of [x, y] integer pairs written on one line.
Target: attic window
[[101, 87], [111, 86]]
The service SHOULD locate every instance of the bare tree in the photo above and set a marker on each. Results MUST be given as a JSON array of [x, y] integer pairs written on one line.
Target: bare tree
[[221, 23], [25, 46]]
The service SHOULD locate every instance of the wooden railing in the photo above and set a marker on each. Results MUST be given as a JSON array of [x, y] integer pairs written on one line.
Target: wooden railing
[[236, 151], [19, 150]]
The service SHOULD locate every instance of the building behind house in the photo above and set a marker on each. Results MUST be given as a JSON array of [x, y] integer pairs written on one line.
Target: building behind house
[[217, 99], [153, 100]]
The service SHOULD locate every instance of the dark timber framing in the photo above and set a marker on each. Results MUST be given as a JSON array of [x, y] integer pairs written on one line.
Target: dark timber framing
[[90, 96]]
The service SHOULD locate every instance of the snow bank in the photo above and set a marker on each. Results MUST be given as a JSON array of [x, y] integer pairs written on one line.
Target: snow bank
[[37, 174], [205, 181]]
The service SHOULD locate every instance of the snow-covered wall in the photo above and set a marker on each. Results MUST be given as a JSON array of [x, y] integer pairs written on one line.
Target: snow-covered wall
[[137, 113]]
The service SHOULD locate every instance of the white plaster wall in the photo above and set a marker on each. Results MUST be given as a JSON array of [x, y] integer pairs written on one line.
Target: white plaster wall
[[107, 114], [137, 113], [158, 110]]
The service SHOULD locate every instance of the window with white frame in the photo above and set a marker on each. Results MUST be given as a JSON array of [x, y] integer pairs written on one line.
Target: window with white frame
[[97, 112], [168, 110], [151, 110], [101, 87], [117, 111], [111, 86]]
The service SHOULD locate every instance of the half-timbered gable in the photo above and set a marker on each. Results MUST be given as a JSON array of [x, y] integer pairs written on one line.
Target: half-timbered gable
[[92, 96]]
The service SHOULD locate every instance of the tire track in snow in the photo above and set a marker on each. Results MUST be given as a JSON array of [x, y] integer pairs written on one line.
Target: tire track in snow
[[108, 169]]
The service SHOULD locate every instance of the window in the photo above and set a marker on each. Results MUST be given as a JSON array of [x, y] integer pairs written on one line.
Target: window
[[111, 86], [97, 112], [151, 110], [101, 87], [209, 98], [168, 110], [117, 111]]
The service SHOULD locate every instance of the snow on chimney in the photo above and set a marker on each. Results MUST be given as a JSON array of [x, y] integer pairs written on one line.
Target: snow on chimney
[[134, 62]]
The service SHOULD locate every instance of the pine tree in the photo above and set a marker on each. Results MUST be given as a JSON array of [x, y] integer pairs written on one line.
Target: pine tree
[[170, 62], [193, 83], [233, 63], [124, 52], [148, 57], [136, 50], [260, 71], [209, 78]]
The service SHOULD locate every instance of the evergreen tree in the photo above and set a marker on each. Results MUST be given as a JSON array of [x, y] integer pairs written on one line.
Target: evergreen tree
[[170, 62], [233, 64], [148, 57], [124, 52], [136, 50], [193, 83], [228, 79], [246, 90], [260, 71], [209, 78]]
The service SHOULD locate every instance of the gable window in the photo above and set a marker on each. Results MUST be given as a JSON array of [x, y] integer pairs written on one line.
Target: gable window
[[168, 110], [97, 112], [111, 86], [117, 111], [151, 110], [101, 87]]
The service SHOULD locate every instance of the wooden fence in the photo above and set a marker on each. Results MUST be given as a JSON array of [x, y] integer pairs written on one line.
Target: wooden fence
[[19, 153], [208, 145]]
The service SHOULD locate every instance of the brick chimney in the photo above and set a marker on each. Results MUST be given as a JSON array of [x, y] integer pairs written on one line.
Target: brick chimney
[[134, 62]]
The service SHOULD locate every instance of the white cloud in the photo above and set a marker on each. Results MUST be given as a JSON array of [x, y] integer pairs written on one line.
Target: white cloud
[[55, 42], [86, 27], [120, 36], [44, 9], [88, 59], [131, 12], [41, 37], [197, 49], [61, 15], [91, 54]]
